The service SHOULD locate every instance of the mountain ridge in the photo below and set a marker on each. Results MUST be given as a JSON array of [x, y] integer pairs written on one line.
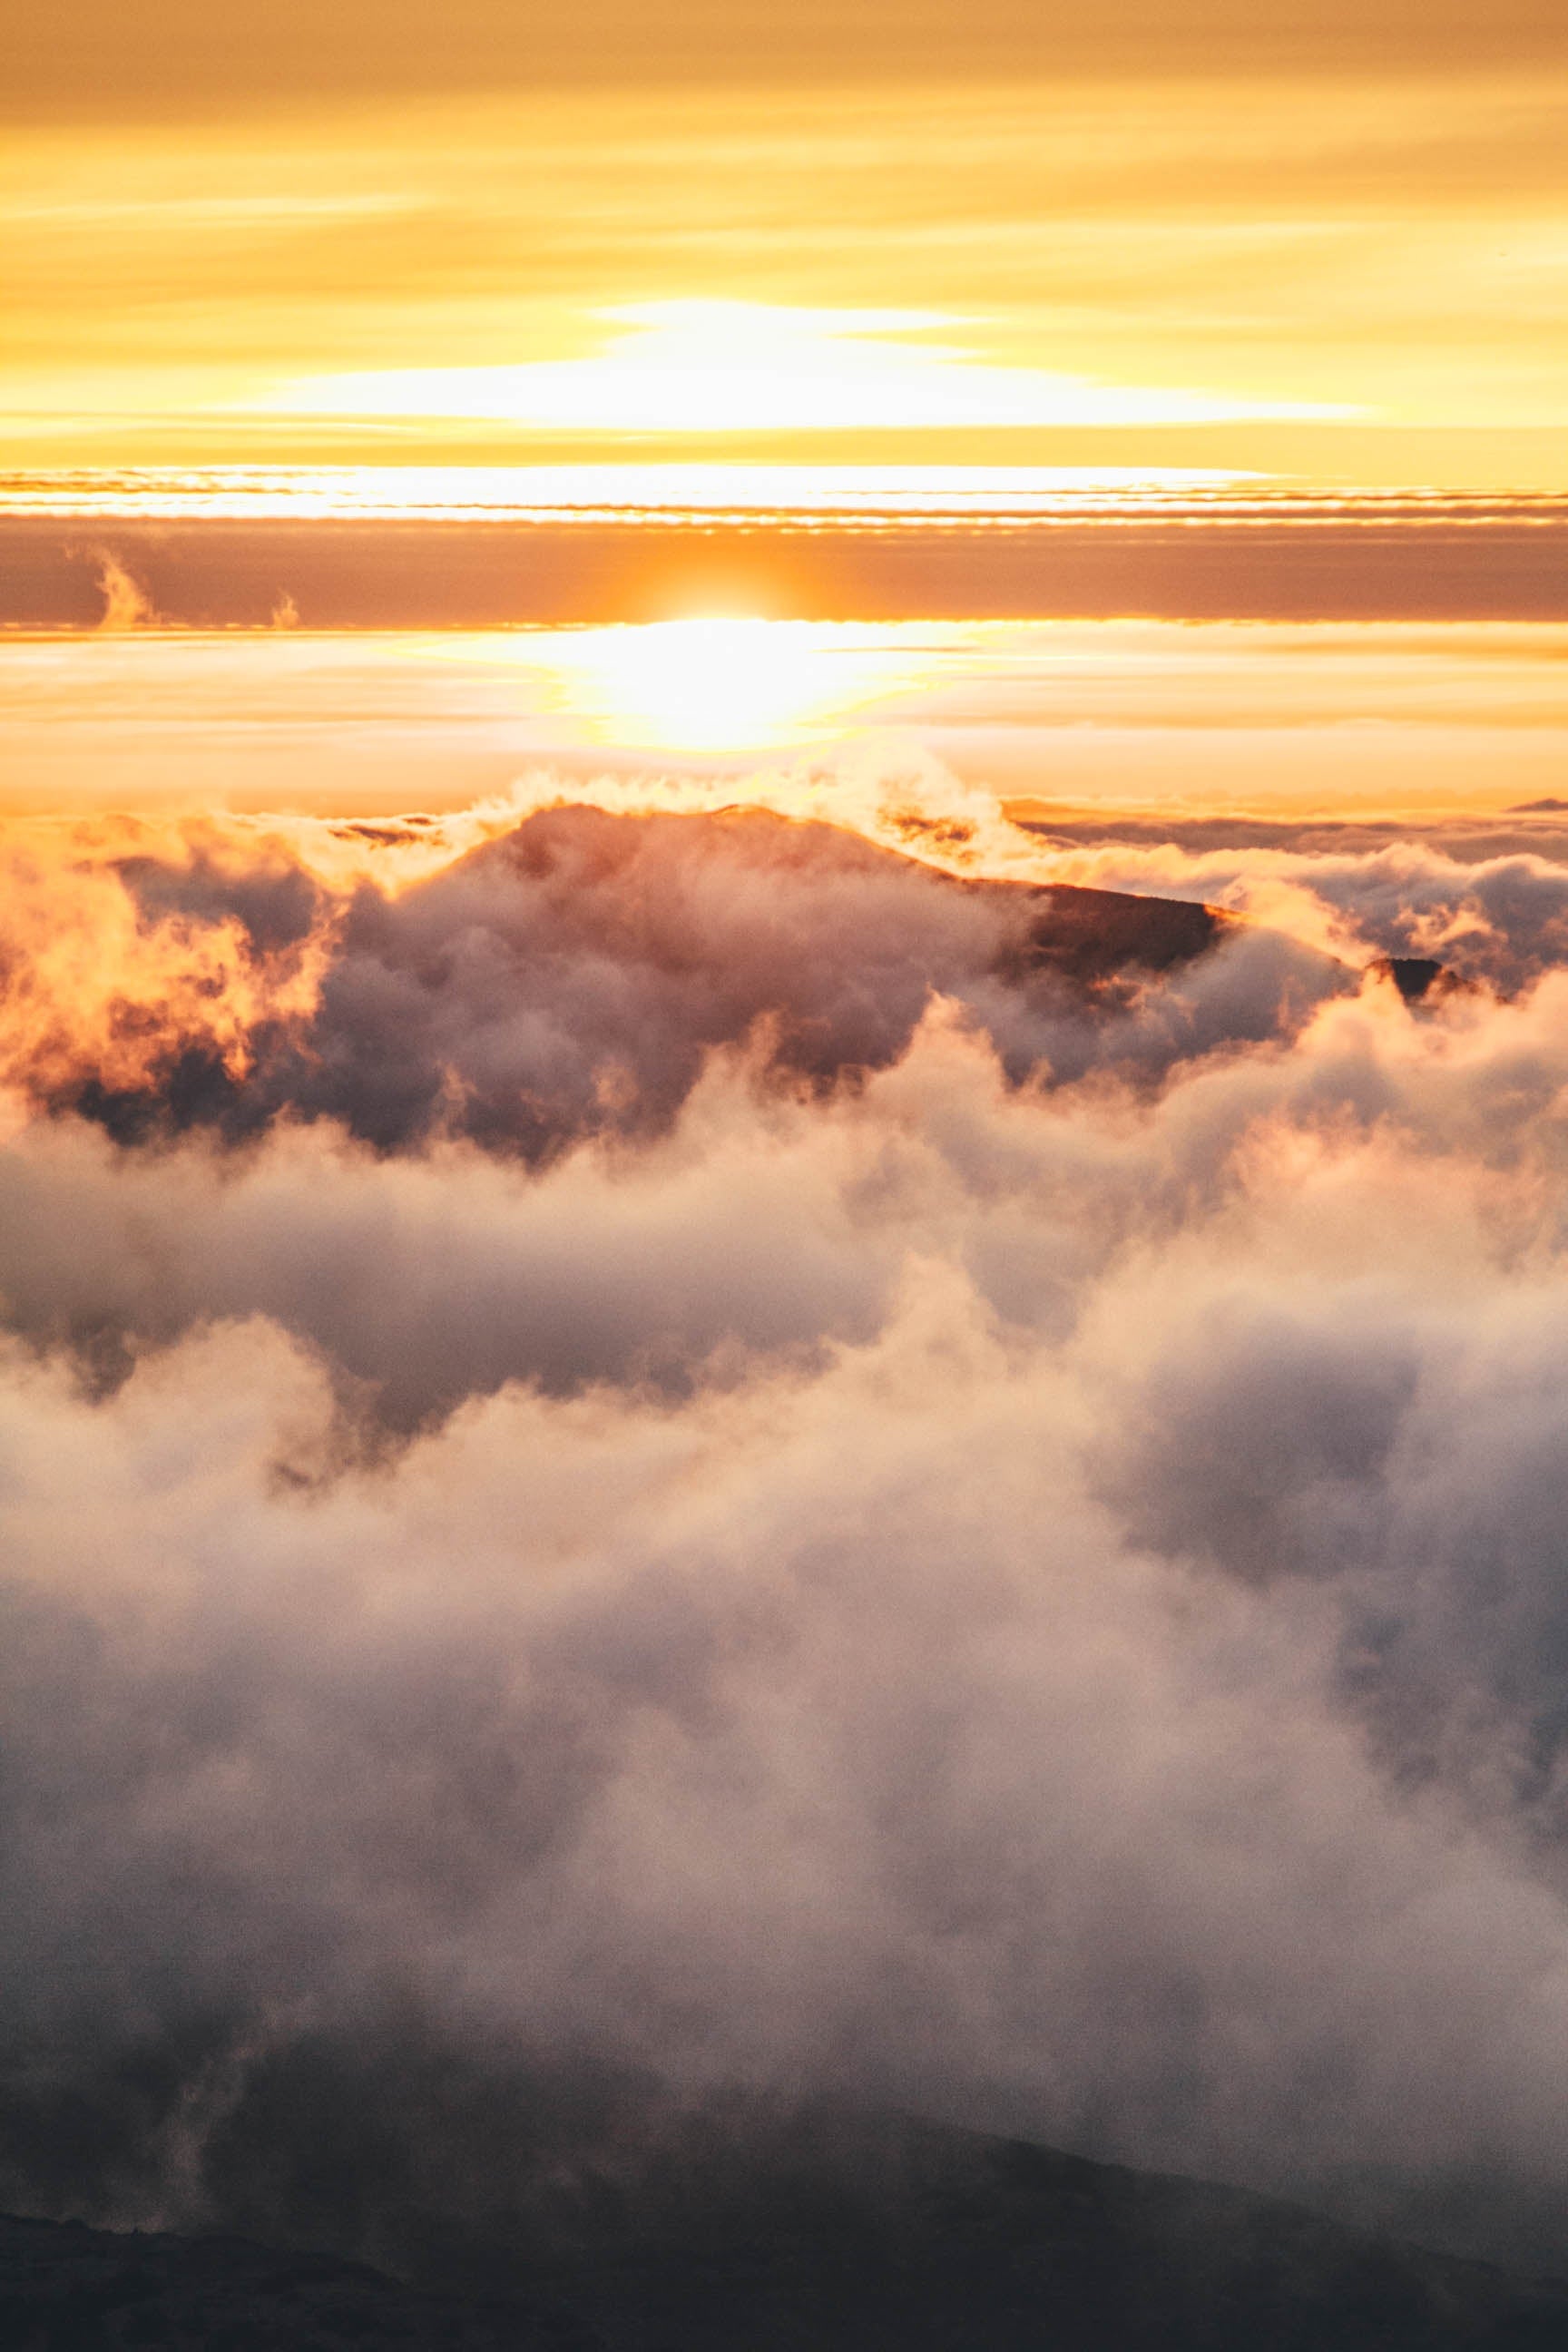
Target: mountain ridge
[[955, 2240]]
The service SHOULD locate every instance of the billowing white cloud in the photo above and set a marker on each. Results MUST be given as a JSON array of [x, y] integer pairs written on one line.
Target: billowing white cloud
[[1008, 1564]]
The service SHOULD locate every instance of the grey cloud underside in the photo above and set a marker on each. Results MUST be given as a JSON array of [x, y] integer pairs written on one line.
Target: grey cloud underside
[[568, 986], [570, 980], [899, 1584]]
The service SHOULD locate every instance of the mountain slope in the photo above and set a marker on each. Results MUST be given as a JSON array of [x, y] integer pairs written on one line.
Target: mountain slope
[[889, 2237]]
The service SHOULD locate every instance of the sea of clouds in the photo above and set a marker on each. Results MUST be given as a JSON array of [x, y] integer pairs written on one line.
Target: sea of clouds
[[655, 1465]]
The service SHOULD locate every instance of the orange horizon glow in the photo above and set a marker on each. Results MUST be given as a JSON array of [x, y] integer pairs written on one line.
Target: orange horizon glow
[[1361, 281], [1246, 719]]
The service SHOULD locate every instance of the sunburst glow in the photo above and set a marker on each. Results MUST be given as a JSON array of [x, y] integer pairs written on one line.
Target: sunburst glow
[[720, 367], [708, 683]]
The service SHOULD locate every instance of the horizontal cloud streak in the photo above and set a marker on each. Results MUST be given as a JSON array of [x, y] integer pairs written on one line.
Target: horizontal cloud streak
[[288, 54], [1288, 559]]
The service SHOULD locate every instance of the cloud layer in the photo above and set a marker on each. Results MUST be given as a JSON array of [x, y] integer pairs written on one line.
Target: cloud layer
[[688, 1466]]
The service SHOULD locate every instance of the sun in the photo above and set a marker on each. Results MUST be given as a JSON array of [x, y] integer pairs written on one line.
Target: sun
[[708, 683]]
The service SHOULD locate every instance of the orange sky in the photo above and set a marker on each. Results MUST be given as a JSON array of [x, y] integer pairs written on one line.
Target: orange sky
[[1335, 245]]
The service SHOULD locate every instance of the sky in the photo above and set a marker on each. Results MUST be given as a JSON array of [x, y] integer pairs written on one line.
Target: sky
[[1331, 242], [682, 1428]]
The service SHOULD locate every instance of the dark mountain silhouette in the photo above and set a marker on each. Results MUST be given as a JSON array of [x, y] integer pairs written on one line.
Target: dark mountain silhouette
[[887, 2237], [64, 2288], [1417, 978]]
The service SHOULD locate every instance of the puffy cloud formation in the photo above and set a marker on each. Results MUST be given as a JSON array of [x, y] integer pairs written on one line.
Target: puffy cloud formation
[[569, 976], [699, 1468], [1491, 903]]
